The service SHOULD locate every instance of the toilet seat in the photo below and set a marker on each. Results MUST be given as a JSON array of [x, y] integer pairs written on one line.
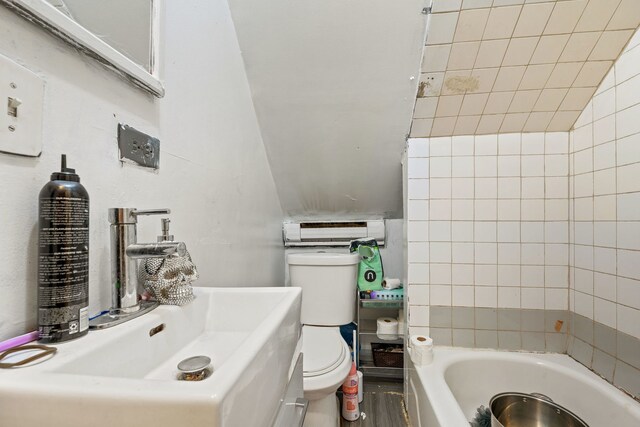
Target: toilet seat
[[326, 361], [323, 350]]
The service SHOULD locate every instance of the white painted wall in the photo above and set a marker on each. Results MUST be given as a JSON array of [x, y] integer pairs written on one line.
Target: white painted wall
[[331, 82], [214, 171]]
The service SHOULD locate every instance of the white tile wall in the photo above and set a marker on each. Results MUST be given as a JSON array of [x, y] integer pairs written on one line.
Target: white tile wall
[[532, 220], [605, 223], [496, 229]]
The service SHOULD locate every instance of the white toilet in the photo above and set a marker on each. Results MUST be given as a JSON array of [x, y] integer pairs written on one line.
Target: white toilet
[[328, 282]]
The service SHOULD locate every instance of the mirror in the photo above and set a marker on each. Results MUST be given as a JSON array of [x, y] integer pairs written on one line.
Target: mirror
[[121, 34], [123, 24]]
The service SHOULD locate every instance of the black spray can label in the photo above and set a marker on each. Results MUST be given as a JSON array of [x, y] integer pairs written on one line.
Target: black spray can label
[[63, 268]]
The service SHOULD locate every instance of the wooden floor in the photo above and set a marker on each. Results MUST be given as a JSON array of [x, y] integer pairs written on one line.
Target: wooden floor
[[382, 406]]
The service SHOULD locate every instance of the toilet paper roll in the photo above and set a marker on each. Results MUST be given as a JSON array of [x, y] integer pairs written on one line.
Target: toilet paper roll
[[389, 283], [360, 387], [421, 350], [387, 328], [421, 341], [401, 322]]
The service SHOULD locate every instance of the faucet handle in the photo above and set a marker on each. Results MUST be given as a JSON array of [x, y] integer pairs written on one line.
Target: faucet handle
[[151, 212], [130, 215]]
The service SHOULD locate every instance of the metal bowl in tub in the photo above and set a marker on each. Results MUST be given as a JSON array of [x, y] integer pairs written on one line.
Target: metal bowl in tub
[[530, 410]]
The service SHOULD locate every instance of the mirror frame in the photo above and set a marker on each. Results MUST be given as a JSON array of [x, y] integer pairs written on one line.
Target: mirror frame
[[58, 24]]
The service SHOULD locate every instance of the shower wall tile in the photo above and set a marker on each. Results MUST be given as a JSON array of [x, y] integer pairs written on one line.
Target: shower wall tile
[[627, 378], [495, 212], [418, 233], [612, 354], [605, 224], [507, 329], [537, 222]]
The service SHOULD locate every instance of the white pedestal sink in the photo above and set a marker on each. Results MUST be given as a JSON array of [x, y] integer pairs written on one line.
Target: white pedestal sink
[[124, 376]]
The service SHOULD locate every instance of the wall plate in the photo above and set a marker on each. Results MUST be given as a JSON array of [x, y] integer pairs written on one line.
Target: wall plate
[[138, 147], [21, 100]]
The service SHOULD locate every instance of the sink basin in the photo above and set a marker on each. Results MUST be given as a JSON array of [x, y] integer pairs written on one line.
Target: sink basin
[[127, 375]]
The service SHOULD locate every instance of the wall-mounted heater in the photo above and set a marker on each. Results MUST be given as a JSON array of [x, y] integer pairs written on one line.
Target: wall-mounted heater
[[331, 233]]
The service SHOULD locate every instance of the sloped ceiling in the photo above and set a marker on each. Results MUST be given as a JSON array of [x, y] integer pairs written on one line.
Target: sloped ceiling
[[333, 84], [496, 66]]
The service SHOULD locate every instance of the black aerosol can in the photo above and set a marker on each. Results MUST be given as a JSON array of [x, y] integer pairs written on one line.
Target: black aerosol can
[[63, 257]]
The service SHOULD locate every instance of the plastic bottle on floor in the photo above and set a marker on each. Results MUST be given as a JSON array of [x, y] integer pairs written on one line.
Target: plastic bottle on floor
[[350, 406]]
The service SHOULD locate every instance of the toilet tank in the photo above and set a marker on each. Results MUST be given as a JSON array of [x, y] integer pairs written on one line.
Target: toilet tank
[[328, 282]]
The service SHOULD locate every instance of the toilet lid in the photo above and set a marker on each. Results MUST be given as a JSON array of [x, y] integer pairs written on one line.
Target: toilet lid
[[323, 350]]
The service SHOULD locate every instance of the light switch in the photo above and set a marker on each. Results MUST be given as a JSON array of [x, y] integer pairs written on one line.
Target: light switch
[[21, 103]]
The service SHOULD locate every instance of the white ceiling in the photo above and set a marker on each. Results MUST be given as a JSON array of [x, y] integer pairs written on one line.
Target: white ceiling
[[496, 66], [333, 84]]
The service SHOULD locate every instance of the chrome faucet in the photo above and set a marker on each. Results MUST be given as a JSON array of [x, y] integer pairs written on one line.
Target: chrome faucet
[[125, 253]]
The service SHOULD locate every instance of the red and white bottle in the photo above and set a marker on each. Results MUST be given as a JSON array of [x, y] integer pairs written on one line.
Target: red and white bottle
[[350, 406]]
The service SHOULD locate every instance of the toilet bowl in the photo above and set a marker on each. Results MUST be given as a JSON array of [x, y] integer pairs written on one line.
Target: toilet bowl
[[326, 364]]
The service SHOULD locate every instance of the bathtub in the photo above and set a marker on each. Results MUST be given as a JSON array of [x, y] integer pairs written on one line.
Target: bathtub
[[447, 392]]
